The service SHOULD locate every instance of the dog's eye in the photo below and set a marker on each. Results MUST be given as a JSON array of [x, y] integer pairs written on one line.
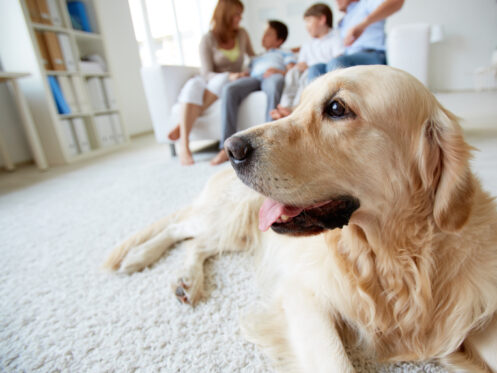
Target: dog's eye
[[335, 109]]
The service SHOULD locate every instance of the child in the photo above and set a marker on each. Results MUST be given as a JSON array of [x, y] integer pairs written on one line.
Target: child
[[266, 73], [324, 45]]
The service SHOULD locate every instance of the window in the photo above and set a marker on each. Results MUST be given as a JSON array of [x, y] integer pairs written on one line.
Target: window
[[168, 32]]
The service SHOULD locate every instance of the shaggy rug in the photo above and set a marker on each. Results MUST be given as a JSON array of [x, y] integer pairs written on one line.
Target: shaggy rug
[[60, 312]]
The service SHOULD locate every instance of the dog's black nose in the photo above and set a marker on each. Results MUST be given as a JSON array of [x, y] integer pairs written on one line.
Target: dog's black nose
[[238, 148]]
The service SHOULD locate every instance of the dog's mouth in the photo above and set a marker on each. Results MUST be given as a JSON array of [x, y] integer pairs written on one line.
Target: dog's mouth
[[307, 220]]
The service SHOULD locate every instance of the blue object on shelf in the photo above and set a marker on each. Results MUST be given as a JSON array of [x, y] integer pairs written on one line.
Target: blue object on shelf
[[60, 101], [79, 16]]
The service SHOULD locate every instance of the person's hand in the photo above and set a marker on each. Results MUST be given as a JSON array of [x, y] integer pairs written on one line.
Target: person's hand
[[290, 66], [271, 71], [302, 66], [354, 33], [235, 76]]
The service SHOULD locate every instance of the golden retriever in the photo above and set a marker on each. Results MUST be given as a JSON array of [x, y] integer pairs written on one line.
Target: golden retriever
[[376, 232]]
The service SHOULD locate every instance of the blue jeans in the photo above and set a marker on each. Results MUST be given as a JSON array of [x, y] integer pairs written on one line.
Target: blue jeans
[[233, 94], [370, 57]]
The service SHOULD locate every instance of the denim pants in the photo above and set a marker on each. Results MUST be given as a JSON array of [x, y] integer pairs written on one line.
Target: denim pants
[[369, 57], [233, 94]]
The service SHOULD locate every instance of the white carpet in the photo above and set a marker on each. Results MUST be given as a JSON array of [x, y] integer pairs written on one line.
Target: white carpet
[[60, 312]]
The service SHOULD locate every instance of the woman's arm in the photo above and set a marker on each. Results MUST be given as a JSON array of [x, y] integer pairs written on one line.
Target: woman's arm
[[206, 56]]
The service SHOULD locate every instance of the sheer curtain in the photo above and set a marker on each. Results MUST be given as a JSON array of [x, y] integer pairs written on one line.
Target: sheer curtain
[[168, 32]]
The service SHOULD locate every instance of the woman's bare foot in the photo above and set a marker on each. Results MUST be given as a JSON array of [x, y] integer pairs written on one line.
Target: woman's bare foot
[[173, 135], [221, 157], [185, 156]]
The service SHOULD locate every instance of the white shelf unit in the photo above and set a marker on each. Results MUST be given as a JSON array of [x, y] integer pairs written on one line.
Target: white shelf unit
[[20, 51]]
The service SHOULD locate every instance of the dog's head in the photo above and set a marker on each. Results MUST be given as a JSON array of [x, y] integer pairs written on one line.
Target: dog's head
[[367, 136]]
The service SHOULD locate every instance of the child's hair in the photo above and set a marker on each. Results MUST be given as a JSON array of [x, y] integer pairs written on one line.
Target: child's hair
[[280, 28], [318, 10], [222, 18]]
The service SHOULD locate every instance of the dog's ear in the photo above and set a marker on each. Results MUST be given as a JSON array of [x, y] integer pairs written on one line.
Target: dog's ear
[[444, 167]]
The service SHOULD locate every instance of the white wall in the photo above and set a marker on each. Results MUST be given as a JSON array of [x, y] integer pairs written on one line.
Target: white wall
[[23, 60], [257, 12], [123, 54], [470, 29], [470, 32]]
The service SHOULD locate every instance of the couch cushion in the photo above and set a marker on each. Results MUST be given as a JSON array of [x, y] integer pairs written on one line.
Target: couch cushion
[[252, 112]]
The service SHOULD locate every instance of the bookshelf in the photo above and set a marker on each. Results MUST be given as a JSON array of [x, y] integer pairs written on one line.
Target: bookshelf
[[91, 122]]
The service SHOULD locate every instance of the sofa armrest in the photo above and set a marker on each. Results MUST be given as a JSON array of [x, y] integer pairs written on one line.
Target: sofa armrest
[[162, 86]]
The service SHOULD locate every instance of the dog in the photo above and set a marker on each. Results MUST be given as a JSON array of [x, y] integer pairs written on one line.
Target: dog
[[368, 225]]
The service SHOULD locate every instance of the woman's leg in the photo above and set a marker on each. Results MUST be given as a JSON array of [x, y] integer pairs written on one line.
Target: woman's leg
[[190, 113], [209, 99]]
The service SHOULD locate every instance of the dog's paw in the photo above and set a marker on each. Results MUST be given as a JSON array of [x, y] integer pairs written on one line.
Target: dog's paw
[[135, 261], [187, 290]]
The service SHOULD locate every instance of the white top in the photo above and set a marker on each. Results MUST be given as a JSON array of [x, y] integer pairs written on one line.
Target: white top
[[321, 50]]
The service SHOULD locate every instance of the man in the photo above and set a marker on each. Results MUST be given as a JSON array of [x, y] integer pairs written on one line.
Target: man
[[363, 32]]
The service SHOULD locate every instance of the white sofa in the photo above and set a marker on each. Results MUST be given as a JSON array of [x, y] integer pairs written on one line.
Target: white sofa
[[407, 49]]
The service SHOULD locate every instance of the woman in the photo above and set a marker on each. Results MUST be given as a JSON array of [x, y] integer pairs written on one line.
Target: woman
[[222, 51]]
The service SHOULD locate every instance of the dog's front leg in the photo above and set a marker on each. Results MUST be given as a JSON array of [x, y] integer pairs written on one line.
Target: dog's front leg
[[150, 251], [188, 287], [144, 247], [484, 343], [147, 246], [313, 336]]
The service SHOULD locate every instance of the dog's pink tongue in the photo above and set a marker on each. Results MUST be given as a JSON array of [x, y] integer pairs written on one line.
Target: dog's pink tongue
[[271, 211]]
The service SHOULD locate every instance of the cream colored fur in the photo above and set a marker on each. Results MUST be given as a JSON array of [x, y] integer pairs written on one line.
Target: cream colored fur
[[413, 276]]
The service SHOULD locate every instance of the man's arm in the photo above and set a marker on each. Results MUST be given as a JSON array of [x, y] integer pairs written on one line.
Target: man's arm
[[384, 10]]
